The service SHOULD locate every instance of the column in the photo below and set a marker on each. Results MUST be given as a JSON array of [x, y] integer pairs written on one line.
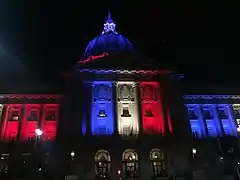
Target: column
[[217, 121], [86, 127], [232, 120], [114, 102], [139, 105], [202, 120]]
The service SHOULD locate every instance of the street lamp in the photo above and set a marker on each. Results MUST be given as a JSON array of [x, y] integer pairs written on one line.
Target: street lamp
[[72, 154], [38, 132]]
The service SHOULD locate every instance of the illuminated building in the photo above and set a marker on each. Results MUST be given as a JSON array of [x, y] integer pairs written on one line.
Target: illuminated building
[[120, 116]]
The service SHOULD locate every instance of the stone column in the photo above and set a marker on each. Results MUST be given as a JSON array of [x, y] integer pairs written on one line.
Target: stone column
[[20, 123], [232, 120], [164, 105], [202, 120], [139, 107], [115, 108], [87, 106], [217, 120]]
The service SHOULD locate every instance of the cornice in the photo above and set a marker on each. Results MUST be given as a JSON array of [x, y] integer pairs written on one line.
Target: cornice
[[211, 97], [31, 96]]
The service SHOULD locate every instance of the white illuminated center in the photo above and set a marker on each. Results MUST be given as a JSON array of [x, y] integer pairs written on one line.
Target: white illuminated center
[[128, 119]]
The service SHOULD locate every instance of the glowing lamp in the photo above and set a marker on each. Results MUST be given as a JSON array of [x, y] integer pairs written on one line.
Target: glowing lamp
[[238, 129], [194, 151], [38, 132], [72, 154], [119, 172]]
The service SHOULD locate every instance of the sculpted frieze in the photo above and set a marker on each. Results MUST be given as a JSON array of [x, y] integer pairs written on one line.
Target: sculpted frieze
[[149, 92], [125, 92], [102, 92]]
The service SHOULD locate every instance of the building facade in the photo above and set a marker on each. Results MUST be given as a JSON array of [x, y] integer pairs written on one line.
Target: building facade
[[119, 117]]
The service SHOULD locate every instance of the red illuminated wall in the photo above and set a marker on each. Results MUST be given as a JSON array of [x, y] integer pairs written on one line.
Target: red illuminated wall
[[152, 110], [11, 119], [49, 121], [30, 121]]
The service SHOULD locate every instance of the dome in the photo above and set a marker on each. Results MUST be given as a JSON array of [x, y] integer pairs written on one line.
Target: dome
[[109, 41]]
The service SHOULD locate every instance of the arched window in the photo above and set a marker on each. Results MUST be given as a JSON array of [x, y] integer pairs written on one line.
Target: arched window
[[130, 163], [157, 158], [102, 164]]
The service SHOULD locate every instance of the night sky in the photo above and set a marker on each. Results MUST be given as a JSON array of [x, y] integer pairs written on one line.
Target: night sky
[[48, 37]]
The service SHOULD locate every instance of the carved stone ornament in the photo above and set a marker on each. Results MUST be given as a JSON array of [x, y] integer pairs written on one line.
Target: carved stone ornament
[[149, 93], [125, 92], [102, 92]]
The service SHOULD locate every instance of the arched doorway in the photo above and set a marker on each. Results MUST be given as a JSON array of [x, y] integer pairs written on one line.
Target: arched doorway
[[102, 164], [157, 158], [130, 163]]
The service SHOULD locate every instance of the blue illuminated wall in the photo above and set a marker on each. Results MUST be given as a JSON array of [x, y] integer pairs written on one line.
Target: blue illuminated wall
[[213, 120], [102, 119]]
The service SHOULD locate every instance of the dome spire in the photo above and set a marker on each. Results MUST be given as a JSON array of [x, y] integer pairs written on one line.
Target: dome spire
[[109, 25]]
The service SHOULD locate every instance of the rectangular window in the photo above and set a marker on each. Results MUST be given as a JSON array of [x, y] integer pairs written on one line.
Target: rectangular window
[[222, 113], [149, 113], [125, 112], [237, 113], [192, 114], [15, 116], [102, 130], [51, 116], [102, 114], [207, 114], [126, 130], [33, 116]]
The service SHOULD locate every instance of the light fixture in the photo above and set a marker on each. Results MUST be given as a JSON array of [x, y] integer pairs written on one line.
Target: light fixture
[[72, 154], [38, 132], [119, 172], [194, 151], [238, 129]]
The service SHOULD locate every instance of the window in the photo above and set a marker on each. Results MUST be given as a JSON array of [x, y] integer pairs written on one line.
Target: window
[[149, 113], [222, 114], [102, 130], [237, 113], [130, 163], [15, 116], [126, 130], [207, 114], [158, 162], [51, 116], [102, 164], [33, 116], [125, 112], [102, 114], [192, 114]]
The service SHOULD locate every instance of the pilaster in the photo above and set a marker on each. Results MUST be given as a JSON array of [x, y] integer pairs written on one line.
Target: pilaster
[[217, 120], [87, 106], [202, 120], [139, 104], [232, 120], [20, 123], [164, 105], [115, 108]]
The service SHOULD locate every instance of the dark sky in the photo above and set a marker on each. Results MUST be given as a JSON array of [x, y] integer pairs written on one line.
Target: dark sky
[[46, 37]]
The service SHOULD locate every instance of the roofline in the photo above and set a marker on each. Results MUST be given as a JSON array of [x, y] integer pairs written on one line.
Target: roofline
[[31, 96], [211, 96]]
